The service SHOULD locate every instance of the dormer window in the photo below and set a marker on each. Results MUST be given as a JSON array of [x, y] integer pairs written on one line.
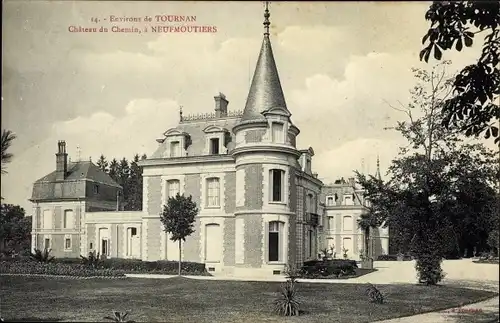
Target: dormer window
[[96, 189], [214, 146], [277, 132], [174, 149]]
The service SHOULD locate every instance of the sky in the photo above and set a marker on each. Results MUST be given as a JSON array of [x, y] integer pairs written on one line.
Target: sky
[[342, 66]]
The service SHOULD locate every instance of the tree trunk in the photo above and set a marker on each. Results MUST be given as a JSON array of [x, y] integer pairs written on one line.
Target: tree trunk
[[180, 253], [367, 242]]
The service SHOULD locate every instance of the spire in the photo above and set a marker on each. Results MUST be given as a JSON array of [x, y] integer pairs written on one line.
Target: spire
[[377, 174], [265, 90]]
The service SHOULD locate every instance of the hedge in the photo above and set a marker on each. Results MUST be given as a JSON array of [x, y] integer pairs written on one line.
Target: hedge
[[138, 266], [54, 269], [333, 268], [393, 258]]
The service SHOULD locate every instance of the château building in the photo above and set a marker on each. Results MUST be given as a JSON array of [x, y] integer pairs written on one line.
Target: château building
[[261, 207]]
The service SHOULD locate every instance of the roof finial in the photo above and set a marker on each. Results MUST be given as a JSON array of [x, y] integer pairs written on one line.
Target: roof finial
[[78, 153], [266, 19], [180, 112]]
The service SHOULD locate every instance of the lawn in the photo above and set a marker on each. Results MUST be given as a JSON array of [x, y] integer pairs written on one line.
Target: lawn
[[190, 300]]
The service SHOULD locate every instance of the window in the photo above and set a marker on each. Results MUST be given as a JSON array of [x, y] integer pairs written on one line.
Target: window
[[46, 243], [309, 198], [331, 223], [214, 146], [277, 132], [329, 200], [277, 185], [175, 149], [47, 219], [104, 247], [68, 219], [274, 241], [133, 231], [213, 190], [308, 165], [173, 187], [131, 235], [96, 189], [347, 223], [91, 246], [311, 241], [67, 244], [348, 200]]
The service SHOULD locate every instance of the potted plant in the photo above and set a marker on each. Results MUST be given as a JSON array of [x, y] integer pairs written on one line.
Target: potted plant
[[344, 251]]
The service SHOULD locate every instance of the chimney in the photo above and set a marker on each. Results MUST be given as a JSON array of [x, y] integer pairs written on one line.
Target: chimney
[[61, 161], [352, 181], [221, 105]]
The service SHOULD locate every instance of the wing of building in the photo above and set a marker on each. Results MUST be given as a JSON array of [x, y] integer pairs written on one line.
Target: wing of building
[[260, 205]]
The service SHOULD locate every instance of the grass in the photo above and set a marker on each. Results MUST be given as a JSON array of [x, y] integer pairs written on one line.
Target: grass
[[188, 300]]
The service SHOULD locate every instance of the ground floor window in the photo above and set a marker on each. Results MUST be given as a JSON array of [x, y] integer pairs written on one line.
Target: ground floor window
[[67, 243], [46, 243], [274, 241]]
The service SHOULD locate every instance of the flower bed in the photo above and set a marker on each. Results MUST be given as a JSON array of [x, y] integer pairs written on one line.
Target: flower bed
[[328, 269], [54, 269]]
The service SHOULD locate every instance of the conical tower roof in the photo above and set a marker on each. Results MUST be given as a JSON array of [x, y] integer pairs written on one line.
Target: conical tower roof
[[265, 92]]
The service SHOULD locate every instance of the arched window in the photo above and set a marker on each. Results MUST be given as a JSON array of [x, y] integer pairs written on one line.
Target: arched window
[[47, 219], [278, 132], [213, 243]]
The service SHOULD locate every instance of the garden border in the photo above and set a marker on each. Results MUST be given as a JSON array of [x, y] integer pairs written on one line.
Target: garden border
[[64, 276]]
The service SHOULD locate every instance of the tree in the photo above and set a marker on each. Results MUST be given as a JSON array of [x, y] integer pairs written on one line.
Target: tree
[[473, 109], [436, 184], [102, 163], [7, 138], [134, 202], [113, 170], [178, 219], [15, 229]]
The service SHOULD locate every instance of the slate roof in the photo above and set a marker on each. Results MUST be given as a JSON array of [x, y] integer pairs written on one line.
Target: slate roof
[[83, 170], [195, 131]]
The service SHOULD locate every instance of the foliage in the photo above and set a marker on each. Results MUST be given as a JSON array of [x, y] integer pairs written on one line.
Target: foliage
[[6, 141], [55, 269], [374, 295], [292, 273], [118, 317], [454, 24], [42, 255], [178, 219], [287, 303], [93, 260], [344, 251], [334, 268], [15, 229], [129, 176], [441, 189], [428, 265], [394, 258]]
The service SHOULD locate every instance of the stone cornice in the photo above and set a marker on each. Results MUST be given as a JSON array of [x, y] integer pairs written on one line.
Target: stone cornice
[[265, 148], [186, 160], [313, 179]]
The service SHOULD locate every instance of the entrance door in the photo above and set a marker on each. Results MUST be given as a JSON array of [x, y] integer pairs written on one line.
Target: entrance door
[[104, 245]]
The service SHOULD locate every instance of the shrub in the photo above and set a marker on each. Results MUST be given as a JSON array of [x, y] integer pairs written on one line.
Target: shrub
[[53, 268], [42, 256], [287, 303], [92, 261], [118, 317], [374, 294], [333, 267], [292, 273], [428, 268], [406, 257]]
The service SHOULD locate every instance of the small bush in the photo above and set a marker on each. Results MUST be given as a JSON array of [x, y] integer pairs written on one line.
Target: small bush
[[42, 256], [118, 317], [287, 303], [429, 270], [57, 269], [92, 261], [374, 295]]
